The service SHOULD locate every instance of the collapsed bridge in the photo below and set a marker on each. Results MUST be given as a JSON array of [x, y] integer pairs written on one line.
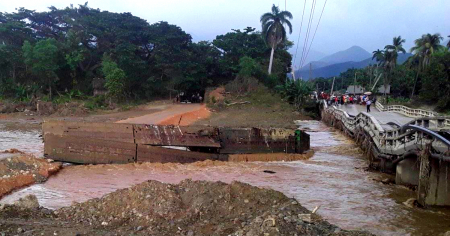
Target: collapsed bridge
[[106, 143], [413, 144]]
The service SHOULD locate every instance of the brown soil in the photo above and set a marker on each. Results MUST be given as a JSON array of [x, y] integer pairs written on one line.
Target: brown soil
[[19, 171], [217, 94], [189, 208], [187, 118]]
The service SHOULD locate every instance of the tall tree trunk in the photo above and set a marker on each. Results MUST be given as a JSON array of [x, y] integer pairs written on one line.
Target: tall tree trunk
[[415, 82], [384, 85], [271, 60], [14, 74], [50, 90]]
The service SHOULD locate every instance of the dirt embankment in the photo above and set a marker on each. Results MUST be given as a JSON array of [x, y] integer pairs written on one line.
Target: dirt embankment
[[189, 208], [256, 107], [23, 170]]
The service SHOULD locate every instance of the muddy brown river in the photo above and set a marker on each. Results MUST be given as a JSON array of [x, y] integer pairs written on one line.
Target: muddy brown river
[[335, 179]]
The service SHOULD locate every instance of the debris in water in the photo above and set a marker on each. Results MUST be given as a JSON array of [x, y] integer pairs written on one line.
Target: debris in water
[[411, 203]]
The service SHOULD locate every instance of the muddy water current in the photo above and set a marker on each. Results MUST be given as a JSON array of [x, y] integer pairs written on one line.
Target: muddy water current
[[24, 137], [335, 179]]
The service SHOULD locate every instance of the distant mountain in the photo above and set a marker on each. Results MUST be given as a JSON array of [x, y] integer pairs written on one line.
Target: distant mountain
[[315, 65], [354, 53], [312, 56], [338, 68]]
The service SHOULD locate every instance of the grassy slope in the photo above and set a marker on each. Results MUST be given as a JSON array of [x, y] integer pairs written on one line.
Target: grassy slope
[[265, 110]]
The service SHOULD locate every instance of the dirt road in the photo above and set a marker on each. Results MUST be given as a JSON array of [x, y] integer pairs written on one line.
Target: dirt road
[[183, 114]]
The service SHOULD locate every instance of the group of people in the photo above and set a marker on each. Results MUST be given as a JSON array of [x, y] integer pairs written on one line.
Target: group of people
[[350, 99], [187, 98]]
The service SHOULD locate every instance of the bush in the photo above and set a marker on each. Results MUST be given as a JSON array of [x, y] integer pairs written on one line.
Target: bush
[[98, 102], [115, 78]]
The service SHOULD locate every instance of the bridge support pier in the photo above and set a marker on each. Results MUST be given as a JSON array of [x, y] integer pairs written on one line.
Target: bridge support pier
[[434, 184], [407, 172]]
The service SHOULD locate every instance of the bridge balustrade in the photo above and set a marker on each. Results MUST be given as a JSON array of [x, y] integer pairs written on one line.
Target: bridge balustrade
[[393, 142]]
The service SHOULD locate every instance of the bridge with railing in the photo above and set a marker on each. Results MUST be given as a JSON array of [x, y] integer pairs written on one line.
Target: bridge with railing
[[412, 143]]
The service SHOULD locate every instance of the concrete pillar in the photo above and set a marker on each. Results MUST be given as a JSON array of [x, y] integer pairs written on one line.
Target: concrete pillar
[[439, 184], [407, 172]]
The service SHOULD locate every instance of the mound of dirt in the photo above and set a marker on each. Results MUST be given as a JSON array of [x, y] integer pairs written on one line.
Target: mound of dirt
[[217, 95], [198, 208]]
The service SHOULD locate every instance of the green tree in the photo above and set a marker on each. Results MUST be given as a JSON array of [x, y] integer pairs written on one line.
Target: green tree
[[115, 77], [423, 49], [43, 60], [378, 55], [448, 43], [295, 91], [395, 49], [390, 58], [273, 29], [436, 81]]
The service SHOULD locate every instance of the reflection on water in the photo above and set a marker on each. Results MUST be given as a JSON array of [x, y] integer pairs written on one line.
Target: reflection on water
[[347, 194]]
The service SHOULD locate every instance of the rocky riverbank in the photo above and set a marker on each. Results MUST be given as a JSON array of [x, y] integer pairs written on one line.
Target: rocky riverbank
[[21, 170]]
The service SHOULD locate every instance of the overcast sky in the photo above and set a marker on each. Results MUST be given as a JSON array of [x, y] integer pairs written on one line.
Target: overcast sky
[[370, 24]]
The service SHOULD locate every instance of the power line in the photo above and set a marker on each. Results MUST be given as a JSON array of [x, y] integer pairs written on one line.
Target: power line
[[299, 34], [308, 33], [311, 17], [316, 29]]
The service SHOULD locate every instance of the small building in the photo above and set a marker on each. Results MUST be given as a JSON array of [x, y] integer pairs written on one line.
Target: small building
[[359, 90], [355, 89], [382, 88]]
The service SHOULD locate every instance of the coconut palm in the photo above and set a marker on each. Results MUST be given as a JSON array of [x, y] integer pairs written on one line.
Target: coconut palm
[[395, 49], [378, 55], [424, 48], [448, 44], [273, 29]]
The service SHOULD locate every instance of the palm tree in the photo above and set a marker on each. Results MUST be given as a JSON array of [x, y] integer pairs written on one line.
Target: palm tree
[[395, 48], [273, 29], [378, 55], [448, 44], [423, 50]]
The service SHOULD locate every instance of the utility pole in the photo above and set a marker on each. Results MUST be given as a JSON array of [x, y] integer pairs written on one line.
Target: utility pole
[[354, 86], [293, 72], [332, 86]]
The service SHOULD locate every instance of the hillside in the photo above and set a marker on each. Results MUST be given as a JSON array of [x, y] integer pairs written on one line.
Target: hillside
[[336, 69], [354, 53]]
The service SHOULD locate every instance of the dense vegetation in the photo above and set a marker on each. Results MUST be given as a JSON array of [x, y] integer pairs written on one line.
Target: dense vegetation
[[423, 79], [61, 51]]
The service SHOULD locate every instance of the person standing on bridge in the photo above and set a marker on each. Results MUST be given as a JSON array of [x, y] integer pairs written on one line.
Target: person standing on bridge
[[368, 103]]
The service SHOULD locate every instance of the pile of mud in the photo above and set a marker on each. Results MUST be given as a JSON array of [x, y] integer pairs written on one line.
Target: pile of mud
[[24, 170], [197, 208]]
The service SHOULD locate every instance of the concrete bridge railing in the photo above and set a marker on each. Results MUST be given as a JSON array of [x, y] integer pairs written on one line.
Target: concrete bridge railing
[[410, 112], [437, 122], [391, 147]]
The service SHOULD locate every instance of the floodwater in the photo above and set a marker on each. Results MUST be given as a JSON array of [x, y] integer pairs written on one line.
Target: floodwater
[[25, 137], [334, 179]]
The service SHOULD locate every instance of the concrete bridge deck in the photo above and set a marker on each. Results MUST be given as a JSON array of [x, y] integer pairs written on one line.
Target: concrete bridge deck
[[383, 117]]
